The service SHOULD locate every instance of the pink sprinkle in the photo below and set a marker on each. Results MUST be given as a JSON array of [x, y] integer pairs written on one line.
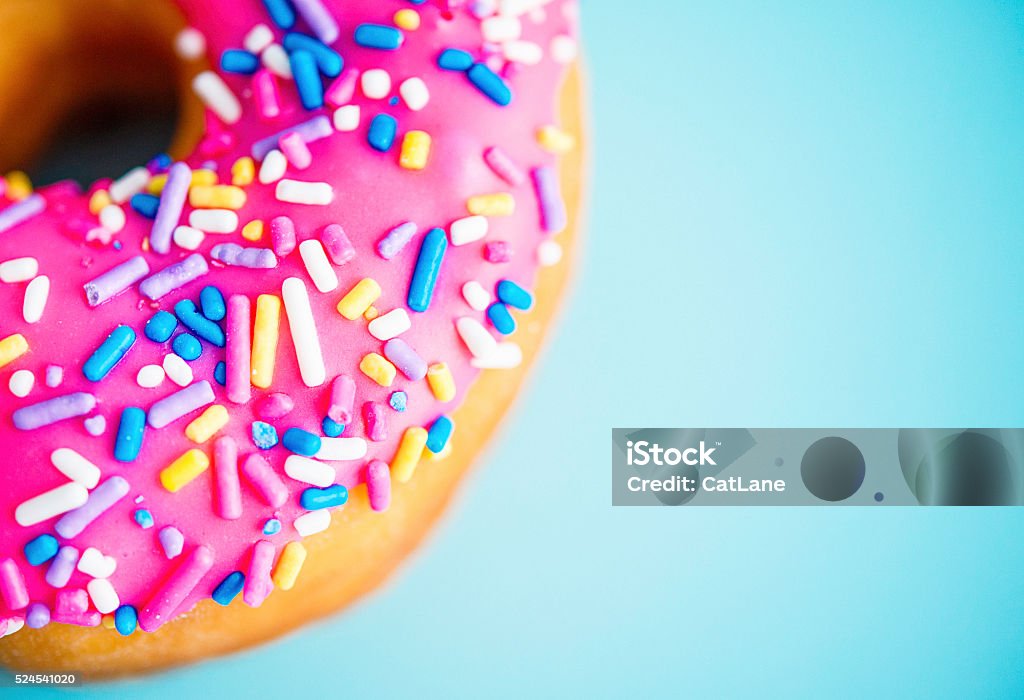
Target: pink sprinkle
[[503, 166], [72, 609], [376, 419], [277, 405], [341, 90], [268, 99], [170, 595], [228, 491], [282, 234], [295, 150], [343, 394], [12, 585], [265, 480], [337, 244], [217, 140], [257, 583], [378, 485], [238, 375], [498, 252]]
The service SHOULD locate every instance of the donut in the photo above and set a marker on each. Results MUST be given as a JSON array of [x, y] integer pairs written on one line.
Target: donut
[[240, 384]]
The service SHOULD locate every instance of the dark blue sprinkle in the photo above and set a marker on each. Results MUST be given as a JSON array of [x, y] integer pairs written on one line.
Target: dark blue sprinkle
[[187, 347], [145, 204], [160, 327], [220, 373], [126, 619], [227, 589]]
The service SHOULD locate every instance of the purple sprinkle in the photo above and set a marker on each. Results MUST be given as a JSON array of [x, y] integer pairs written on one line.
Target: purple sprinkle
[[37, 616], [503, 166], [52, 410], [234, 254], [549, 197], [313, 130], [62, 567], [172, 541], [319, 19], [173, 407], [54, 375], [33, 205], [396, 239], [100, 501], [172, 201], [174, 277], [406, 359], [95, 425], [116, 280]]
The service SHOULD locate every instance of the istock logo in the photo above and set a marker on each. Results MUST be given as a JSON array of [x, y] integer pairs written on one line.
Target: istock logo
[[642, 453]]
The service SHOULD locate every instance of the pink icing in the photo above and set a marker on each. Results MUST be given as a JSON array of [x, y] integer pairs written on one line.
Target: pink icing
[[372, 195]]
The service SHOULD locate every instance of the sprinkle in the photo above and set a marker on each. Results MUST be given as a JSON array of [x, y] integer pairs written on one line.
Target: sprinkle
[[214, 220], [501, 319], [375, 419], [303, 330], [62, 567], [331, 428], [37, 616], [340, 91], [317, 266], [347, 118], [36, 294], [307, 79], [505, 356], [275, 59], [339, 449], [314, 129], [48, 412], [95, 425], [177, 370], [75, 467], [184, 470], [359, 298], [73, 609], [328, 61], [428, 267], [405, 359], [439, 434], [441, 381], [382, 132], [524, 52], [264, 435], [97, 200], [408, 454], [54, 375], [253, 231], [514, 295], [176, 589], [217, 197], [479, 342], [220, 373], [174, 277], [415, 150], [229, 588], [468, 230], [301, 442], [498, 252], [227, 494], [217, 97], [129, 184], [18, 270], [207, 424], [475, 295], [206, 329], [289, 565], [555, 140], [258, 38], [378, 369], [296, 151], [115, 280], [103, 595], [11, 348], [21, 383], [563, 49], [160, 326], [309, 471], [258, 584], [378, 485], [12, 585], [41, 549], [455, 60], [239, 61], [201, 176], [319, 19], [126, 619], [501, 28], [399, 400], [313, 522], [371, 313], [273, 167], [339, 248], [237, 256], [130, 433], [187, 347], [407, 19], [389, 325], [180, 403], [145, 204], [281, 12], [265, 338], [282, 234], [503, 166], [143, 518], [150, 376], [318, 499], [378, 36], [102, 498], [299, 192], [190, 43], [343, 391], [549, 197], [415, 93], [268, 100], [265, 480], [238, 348], [396, 239], [212, 302], [497, 204], [490, 84], [172, 541]]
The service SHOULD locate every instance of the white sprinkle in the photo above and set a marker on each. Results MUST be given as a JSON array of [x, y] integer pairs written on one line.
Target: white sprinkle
[[75, 467], [258, 38], [515, 8], [273, 166], [178, 371], [301, 192], [216, 95], [415, 93], [275, 59], [475, 295], [376, 83], [549, 253], [318, 266], [151, 376], [14, 624], [467, 230], [21, 383], [188, 238], [499, 29], [507, 355], [303, 330], [95, 563], [309, 471], [103, 595], [475, 336], [112, 218], [51, 504], [190, 43], [524, 52], [36, 294], [313, 522], [213, 220], [341, 449], [390, 325], [54, 376], [346, 118], [563, 49], [18, 269], [128, 185]]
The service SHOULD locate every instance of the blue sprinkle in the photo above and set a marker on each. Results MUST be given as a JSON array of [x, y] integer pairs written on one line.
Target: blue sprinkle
[[161, 161], [212, 303], [220, 373], [331, 428], [187, 347], [318, 499], [328, 60], [382, 132], [307, 79], [130, 432], [206, 329], [264, 435], [40, 550], [455, 59], [160, 327], [489, 83], [281, 12], [417, 2], [399, 400], [514, 295], [117, 245], [393, 102], [143, 518], [227, 589], [272, 527], [428, 267], [378, 36], [239, 61], [301, 442], [107, 355], [126, 619], [501, 318], [440, 431]]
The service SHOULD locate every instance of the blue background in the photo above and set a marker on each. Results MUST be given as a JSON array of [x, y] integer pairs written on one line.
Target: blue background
[[803, 214]]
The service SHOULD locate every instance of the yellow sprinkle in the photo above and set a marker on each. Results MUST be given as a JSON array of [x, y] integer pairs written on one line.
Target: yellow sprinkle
[[498, 204], [108, 621], [371, 313], [216, 197], [441, 381], [98, 200], [184, 469], [415, 150], [200, 178], [358, 300], [206, 425], [555, 140], [253, 231], [266, 330], [378, 369], [243, 171], [11, 348], [289, 565], [429, 456], [408, 454], [408, 20], [19, 185]]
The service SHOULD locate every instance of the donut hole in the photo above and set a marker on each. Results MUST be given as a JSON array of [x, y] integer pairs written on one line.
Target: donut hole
[[91, 89]]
